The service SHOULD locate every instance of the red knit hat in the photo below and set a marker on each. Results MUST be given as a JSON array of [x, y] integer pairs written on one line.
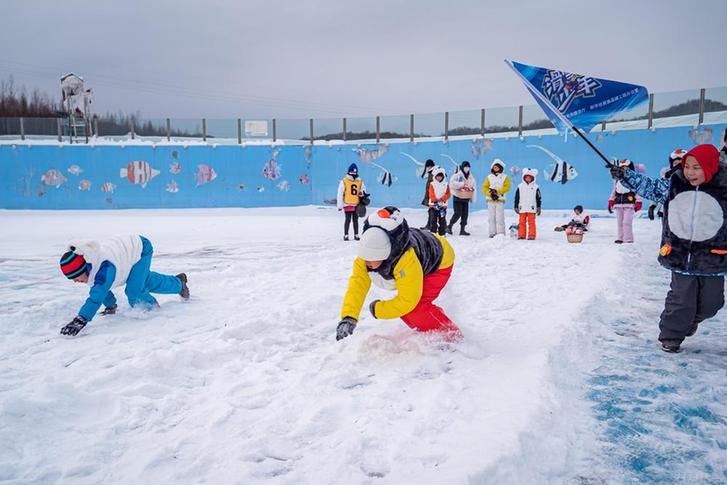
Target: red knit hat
[[708, 158]]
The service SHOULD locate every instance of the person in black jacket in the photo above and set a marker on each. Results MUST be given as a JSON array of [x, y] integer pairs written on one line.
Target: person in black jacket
[[694, 239]]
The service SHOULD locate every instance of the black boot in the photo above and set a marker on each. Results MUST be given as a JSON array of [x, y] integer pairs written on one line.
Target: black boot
[[184, 293], [462, 232], [345, 238], [355, 236], [671, 346], [449, 229]]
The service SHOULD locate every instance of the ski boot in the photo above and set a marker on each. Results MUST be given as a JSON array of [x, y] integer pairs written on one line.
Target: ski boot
[[449, 230], [345, 238], [618, 241], [356, 238], [462, 232]]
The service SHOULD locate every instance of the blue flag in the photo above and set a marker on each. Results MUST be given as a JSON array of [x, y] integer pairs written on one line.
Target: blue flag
[[570, 99]]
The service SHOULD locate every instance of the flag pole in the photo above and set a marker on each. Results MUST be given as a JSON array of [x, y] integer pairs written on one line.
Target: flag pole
[[557, 112]]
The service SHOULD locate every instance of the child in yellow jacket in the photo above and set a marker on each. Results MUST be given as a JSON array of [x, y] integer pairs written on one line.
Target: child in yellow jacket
[[416, 264], [496, 185]]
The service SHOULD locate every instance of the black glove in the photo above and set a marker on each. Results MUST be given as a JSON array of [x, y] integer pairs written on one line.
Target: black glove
[[494, 195], [345, 328], [372, 308], [75, 326], [652, 208], [110, 310], [538, 211], [619, 173]]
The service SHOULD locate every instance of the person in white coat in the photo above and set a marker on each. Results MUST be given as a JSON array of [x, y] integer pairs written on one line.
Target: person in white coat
[[462, 185], [527, 204], [111, 263], [496, 185]]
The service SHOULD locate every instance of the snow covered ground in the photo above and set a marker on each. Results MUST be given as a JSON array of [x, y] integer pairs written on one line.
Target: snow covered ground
[[559, 379]]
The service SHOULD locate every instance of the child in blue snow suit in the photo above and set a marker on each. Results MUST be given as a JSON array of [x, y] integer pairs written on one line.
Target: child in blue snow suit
[[694, 239], [117, 261]]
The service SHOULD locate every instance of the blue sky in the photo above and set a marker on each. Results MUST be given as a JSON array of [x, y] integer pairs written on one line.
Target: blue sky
[[333, 58]]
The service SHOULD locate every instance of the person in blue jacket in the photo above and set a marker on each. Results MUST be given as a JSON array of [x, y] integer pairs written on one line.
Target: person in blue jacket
[[114, 262]]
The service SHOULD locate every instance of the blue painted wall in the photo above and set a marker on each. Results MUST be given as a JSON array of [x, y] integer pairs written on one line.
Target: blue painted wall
[[47, 176]]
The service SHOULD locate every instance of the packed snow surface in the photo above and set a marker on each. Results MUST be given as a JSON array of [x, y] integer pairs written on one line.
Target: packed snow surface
[[559, 378]]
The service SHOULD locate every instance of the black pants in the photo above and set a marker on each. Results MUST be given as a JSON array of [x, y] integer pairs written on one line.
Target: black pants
[[350, 216], [461, 211], [690, 300], [437, 221]]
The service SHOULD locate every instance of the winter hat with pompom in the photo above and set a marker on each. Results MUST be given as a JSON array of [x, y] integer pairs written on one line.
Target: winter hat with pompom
[[72, 264]]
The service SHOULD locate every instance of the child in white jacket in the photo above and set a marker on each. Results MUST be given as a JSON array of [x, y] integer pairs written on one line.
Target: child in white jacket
[[462, 185], [527, 204]]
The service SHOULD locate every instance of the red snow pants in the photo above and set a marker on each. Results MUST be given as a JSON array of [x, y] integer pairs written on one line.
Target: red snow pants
[[526, 226], [428, 317]]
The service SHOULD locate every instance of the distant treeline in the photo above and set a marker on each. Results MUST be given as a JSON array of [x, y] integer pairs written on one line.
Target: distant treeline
[[39, 108]]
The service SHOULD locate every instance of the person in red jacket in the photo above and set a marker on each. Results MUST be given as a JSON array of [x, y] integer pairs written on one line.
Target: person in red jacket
[[438, 196]]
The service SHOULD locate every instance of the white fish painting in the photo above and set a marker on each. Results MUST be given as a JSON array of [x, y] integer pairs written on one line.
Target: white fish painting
[[53, 178], [480, 147], [560, 172], [172, 187], [369, 155], [420, 165], [283, 186], [138, 172], [74, 170], [455, 164]]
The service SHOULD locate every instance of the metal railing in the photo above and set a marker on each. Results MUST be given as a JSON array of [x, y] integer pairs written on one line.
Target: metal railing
[[692, 107]]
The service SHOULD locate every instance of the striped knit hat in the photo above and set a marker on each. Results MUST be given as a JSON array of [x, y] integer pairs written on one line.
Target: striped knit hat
[[73, 264]]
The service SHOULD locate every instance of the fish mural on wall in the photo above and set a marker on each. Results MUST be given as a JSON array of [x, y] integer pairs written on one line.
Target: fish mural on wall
[[139, 172], [283, 186], [74, 170], [53, 178], [304, 179], [175, 168], [84, 185], [172, 187], [369, 155], [515, 170], [420, 165], [307, 153], [701, 136], [260, 188], [560, 172], [456, 165], [480, 146], [384, 177], [175, 154], [205, 174], [108, 188], [641, 168], [271, 170]]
